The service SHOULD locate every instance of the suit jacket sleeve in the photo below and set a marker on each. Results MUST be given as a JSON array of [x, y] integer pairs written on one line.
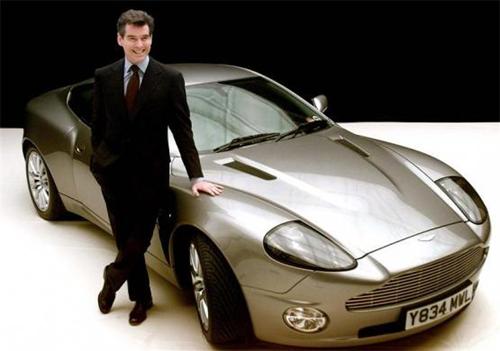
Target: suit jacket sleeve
[[180, 124], [102, 155], [98, 121]]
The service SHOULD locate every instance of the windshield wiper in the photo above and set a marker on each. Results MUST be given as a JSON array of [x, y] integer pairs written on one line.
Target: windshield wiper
[[246, 140], [307, 127]]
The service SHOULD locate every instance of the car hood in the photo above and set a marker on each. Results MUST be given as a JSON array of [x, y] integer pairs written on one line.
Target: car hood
[[356, 192]]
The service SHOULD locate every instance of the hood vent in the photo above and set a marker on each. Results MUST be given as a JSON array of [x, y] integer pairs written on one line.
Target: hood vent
[[350, 145], [243, 167]]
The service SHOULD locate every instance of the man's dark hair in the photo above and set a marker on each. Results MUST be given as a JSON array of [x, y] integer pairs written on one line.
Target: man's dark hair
[[137, 18]]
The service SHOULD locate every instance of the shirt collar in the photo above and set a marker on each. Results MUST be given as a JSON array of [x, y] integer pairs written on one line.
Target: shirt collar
[[142, 65]]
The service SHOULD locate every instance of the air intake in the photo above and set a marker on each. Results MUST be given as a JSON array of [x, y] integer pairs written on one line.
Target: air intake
[[421, 282], [243, 167], [350, 145]]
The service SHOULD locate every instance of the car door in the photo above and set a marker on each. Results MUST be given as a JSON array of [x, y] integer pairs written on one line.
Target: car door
[[87, 188]]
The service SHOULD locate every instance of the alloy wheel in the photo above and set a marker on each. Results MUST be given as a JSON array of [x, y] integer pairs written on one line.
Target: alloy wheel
[[39, 181], [198, 281]]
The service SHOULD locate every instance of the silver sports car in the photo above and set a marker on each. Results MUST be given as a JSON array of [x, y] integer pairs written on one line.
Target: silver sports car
[[321, 238]]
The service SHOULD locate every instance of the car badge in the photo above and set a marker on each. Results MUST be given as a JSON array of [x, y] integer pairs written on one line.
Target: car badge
[[427, 237]]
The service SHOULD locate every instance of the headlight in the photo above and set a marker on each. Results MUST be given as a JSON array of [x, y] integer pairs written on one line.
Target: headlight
[[465, 197], [296, 244]]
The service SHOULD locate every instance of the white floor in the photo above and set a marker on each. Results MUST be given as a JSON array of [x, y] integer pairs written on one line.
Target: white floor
[[51, 271]]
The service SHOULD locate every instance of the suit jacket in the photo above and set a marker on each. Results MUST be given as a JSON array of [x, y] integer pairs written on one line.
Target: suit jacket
[[141, 136]]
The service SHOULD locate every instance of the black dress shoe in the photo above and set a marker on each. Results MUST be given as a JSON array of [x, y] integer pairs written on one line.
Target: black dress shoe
[[138, 313], [106, 298]]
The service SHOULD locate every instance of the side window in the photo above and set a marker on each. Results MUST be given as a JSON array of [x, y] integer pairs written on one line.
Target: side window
[[80, 102]]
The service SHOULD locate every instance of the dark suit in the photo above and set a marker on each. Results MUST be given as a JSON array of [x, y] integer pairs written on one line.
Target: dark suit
[[131, 161]]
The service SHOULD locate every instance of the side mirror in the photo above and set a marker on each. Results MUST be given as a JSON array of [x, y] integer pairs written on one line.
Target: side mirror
[[320, 102]]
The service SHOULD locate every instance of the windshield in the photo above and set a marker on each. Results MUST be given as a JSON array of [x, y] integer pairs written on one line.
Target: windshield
[[223, 111]]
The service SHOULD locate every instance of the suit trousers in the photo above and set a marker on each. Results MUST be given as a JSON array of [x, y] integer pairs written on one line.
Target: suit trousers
[[133, 201]]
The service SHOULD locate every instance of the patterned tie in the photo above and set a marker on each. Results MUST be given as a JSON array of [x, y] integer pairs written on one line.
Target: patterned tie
[[132, 88]]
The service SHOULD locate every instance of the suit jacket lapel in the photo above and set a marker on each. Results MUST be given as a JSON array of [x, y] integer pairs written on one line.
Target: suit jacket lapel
[[147, 87], [118, 88]]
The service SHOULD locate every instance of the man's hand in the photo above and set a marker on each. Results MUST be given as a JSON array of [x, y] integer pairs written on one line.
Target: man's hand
[[206, 187]]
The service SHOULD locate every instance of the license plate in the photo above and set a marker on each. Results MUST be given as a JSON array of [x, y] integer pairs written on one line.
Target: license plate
[[440, 309]]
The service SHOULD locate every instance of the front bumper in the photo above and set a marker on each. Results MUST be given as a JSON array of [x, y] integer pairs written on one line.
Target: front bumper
[[329, 292]]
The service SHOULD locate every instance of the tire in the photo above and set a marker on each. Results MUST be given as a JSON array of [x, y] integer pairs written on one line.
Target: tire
[[42, 188], [221, 307]]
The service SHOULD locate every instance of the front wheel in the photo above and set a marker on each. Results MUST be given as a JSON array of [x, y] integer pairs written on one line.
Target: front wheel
[[221, 307], [42, 188]]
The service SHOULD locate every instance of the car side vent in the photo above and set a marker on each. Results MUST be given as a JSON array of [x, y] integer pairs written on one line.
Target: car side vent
[[350, 145], [242, 167]]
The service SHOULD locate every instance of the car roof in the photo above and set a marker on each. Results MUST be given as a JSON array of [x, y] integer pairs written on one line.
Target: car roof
[[196, 73]]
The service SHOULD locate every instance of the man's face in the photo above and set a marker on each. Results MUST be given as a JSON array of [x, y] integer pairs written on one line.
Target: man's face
[[136, 42]]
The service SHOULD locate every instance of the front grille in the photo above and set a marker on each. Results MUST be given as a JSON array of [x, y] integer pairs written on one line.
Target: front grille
[[420, 282]]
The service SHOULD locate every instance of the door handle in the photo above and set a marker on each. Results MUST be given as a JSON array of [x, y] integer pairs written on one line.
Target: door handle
[[79, 149]]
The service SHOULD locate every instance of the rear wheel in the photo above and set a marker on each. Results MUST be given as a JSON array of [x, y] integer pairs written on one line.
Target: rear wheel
[[221, 307], [42, 188]]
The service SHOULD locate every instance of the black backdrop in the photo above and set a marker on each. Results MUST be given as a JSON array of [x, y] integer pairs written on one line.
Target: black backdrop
[[375, 61]]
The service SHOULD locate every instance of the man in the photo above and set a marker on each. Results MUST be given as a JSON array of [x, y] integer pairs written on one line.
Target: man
[[135, 100]]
